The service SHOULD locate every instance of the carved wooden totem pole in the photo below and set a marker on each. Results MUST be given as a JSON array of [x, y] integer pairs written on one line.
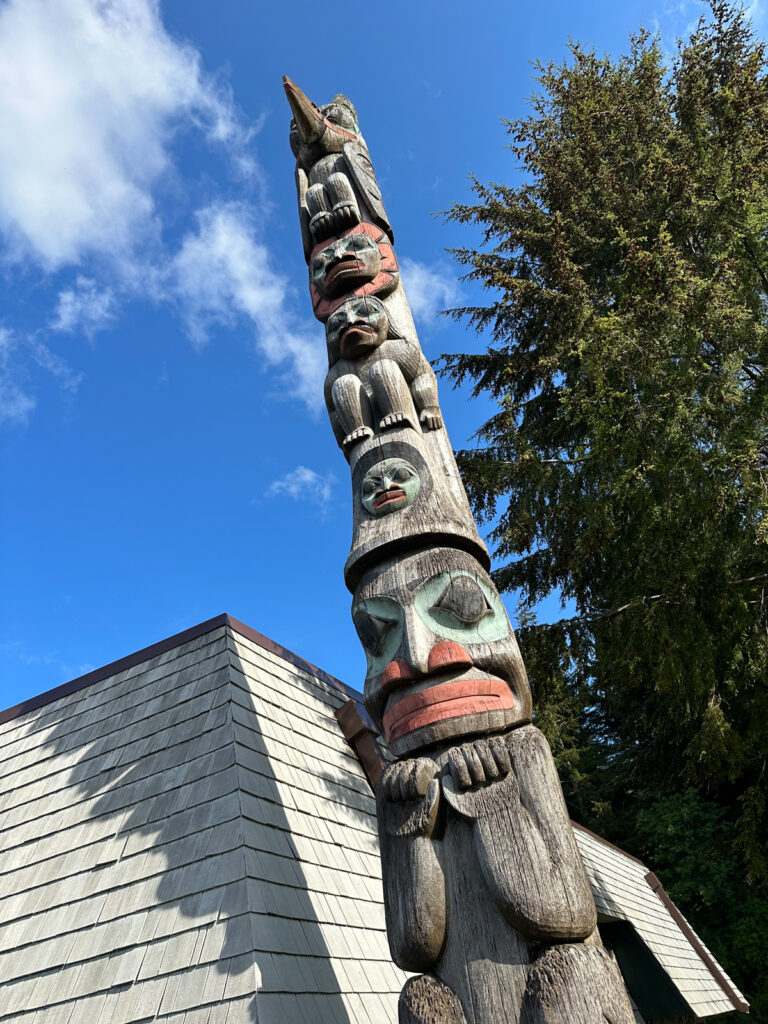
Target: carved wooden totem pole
[[485, 890]]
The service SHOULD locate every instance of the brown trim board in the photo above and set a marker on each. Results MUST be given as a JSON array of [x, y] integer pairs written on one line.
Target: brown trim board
[[704, 955], [186, 635], [362, 738]]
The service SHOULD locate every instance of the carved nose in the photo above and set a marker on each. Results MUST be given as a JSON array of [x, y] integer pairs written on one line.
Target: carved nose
[[396, 673], [444, 655], [447, 654]]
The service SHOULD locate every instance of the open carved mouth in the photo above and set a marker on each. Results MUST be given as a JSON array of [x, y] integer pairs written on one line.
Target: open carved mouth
[[445, 700], [348, 266], [358, 336], [388, 497]]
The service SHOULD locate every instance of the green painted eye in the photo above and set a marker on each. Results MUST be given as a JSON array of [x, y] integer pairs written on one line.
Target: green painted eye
[[372, 630], [462, 601]]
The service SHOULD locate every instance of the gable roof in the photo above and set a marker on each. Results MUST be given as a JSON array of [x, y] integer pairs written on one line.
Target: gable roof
[[186, 835], [189, 838]]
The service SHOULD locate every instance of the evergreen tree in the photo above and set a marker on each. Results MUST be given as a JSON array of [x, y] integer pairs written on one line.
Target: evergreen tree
[[627, 465]]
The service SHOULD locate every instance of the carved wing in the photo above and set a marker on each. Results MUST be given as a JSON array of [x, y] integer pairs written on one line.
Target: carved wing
[[361, 172], [302, 184]]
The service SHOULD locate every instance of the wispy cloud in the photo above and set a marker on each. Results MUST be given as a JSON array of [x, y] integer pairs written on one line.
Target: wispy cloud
[[429, 288], [84, 307], [221, 273], [16, 405], [305, 485]]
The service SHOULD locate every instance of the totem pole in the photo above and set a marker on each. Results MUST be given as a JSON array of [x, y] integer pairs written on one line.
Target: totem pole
[[484, 887]]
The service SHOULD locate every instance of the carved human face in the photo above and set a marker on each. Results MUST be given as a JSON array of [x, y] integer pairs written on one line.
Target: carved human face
[[389, 486], [345, 264], [356, 327], [443, 661]]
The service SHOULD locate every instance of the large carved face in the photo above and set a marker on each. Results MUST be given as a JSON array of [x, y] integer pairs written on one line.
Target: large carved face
[[345, 264], [443, 661], [356, 327], [361, 262], [389, 486]]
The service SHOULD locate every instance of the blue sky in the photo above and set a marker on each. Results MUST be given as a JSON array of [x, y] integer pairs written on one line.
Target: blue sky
[[165, 456]]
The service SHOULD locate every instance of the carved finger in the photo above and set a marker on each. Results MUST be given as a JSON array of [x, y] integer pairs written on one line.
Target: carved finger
[[459, 769], [474, 764], [388, 782], [487, 760], [405, 790], [500, 753], [423, 774]]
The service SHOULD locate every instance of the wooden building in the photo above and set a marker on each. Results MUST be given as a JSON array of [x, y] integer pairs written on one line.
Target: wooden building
[[187, 836]]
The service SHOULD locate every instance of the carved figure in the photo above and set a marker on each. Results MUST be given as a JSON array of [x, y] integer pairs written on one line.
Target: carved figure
[[333, 169], [479, 861], [375, 381], [360, 262], [437, 512], [389, 486]]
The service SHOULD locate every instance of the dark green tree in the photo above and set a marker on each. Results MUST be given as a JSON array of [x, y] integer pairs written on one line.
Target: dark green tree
[[627, 465]]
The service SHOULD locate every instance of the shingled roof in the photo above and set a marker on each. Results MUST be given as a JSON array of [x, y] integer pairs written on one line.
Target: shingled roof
[[186, 836]]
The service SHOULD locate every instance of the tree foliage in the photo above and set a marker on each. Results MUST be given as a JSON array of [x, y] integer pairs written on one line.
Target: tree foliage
[[627, 465]]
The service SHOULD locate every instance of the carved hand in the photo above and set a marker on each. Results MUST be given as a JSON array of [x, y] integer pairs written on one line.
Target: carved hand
[[473, 770], [409, 797]]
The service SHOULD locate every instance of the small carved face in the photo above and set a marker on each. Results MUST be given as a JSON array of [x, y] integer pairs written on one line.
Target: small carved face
[[443, 661], [350, 261], [340, 113], [389, 486], [358, 326]]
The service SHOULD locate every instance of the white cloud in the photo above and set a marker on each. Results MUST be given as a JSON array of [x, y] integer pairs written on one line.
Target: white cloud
[[16, 405], [92, 95], [221, 272], [91, 92], [84, 307], [68, 379], [429, 289], [304, 484]]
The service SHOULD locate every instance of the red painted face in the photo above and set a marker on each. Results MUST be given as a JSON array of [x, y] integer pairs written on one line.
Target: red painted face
[[359, 262], [443, 661]]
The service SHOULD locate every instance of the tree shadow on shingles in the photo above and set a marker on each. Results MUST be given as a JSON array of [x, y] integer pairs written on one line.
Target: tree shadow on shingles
[[156, 792]]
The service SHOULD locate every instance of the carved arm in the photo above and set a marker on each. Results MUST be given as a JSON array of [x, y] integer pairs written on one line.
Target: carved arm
[[407, 799], [509, 787]]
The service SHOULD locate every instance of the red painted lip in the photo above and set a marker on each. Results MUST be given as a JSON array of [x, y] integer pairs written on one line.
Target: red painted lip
[[388, 496], [446, 700], [344, 267]]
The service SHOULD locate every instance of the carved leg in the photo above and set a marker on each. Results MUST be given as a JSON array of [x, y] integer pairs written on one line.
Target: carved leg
[[320, 217], [424, 391], [392, 395], [353, 409], [576, 984], [344, 207], [425, 1000]]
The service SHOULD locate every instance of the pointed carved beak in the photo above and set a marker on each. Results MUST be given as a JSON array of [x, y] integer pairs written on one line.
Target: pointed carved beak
[[310, 123]]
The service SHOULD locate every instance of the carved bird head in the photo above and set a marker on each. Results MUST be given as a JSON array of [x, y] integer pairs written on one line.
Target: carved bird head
[[318, 131]]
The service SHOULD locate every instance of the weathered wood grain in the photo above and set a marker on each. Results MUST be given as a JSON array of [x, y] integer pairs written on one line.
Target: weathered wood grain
[[480, 868]]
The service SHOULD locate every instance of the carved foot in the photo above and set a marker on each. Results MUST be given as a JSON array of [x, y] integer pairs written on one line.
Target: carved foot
[[575, 984], [356, 436], [345, 215], [431, 419], [425, 1000], [395, 419]]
